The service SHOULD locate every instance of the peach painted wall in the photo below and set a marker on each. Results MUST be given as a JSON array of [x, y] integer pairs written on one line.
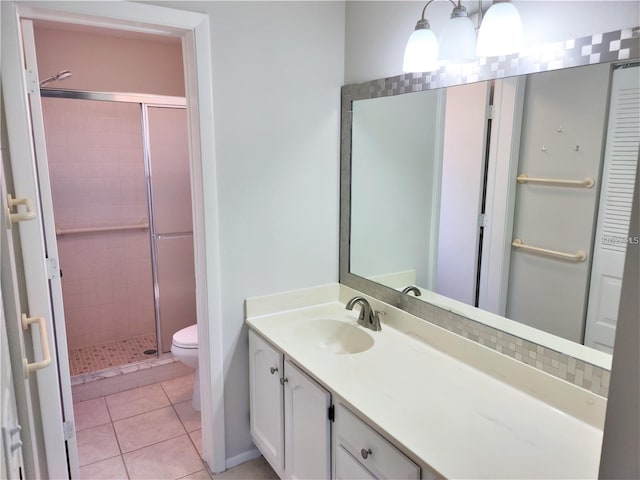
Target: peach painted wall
[[107, 63], [97, 178]]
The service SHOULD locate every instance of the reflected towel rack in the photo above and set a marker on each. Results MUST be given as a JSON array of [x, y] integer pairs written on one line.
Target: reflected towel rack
[[586, 183], [114, 228], [577, 257]]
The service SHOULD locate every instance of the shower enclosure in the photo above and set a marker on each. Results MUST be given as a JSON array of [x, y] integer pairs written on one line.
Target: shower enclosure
[[119, 171]]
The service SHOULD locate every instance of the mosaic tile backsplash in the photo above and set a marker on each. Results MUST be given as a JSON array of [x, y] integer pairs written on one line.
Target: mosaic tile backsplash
[[607, 47], [561, 365]]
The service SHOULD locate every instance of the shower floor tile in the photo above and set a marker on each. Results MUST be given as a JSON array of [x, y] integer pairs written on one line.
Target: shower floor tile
[[111, 354]]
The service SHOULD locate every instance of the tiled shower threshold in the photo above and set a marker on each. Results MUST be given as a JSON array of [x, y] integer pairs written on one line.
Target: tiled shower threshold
[[165, 359]]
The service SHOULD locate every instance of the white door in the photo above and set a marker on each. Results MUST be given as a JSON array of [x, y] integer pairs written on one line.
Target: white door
[[25, 387], [463, 165], [37, 239], [266, 400], [307, 426], [11, 462], [614, 212]]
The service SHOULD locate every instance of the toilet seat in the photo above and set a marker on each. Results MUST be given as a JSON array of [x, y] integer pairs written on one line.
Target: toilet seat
[[186, 338]]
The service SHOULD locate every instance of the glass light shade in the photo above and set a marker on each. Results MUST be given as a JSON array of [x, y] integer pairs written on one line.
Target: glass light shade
[[421, 54], [500, 32], [458, 41]]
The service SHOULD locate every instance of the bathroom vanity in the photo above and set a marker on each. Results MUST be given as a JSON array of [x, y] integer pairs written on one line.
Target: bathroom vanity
[[331, 399]]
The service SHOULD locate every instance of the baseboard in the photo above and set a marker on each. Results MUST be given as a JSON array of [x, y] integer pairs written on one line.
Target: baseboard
[[243, 457]]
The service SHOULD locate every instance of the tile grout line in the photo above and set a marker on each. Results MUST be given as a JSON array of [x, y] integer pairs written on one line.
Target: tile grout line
[[184, 430], [173, 405]]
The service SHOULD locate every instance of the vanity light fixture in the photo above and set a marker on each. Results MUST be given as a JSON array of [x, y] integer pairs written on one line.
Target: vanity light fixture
[[458, 39], [457, 43], [501, 31], [421, 52]]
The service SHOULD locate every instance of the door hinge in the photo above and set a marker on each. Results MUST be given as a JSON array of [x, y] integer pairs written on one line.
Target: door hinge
[[53, 269], [491, 111], [68, 429], [332, 413], [32, 81], [483, 220]]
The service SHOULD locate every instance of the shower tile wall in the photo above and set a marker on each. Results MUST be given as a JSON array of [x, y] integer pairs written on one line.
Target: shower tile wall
[[98, 179]]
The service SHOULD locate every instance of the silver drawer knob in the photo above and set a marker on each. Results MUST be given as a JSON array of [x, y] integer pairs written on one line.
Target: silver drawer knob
[[283, 380], [273, 370], [365, 453]]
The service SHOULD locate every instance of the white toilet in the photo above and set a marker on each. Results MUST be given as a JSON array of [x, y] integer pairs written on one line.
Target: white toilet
[[184, 347]]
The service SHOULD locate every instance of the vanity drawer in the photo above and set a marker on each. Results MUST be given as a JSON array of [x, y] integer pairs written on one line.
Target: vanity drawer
[[371, 450], [349, 468]]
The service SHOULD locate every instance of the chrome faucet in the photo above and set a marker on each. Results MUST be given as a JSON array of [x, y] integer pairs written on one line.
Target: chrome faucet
[[368, 318], [412, 289]]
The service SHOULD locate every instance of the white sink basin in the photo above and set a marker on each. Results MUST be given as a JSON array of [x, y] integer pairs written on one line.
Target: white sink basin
[[335, 336]]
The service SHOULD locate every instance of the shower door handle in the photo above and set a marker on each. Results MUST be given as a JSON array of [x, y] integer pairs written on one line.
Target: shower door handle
[[44, 342]]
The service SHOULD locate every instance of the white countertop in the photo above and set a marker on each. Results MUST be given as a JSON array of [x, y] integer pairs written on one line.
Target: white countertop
[[458, 420]]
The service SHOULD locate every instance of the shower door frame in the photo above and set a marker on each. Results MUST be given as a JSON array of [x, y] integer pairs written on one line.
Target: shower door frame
[[194, 31], [145, 101]]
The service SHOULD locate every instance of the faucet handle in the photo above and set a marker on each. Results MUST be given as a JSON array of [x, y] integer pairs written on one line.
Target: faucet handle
[[374, 320]]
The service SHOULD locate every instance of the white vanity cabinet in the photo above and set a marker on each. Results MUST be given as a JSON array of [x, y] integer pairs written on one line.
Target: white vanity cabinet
[[289, 414], [361, 452], [266, 397], [307, 426]]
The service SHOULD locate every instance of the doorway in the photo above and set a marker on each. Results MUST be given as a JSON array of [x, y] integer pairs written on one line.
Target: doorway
[[43, 282]]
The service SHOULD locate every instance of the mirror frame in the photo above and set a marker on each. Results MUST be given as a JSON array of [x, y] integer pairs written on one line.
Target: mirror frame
[[471, 322]]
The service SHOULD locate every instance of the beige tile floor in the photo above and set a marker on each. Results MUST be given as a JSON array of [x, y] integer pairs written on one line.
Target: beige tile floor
[[150, 432]]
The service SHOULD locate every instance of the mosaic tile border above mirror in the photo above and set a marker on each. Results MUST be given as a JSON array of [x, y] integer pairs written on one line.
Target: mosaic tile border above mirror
[[619, 45], [614, 46]]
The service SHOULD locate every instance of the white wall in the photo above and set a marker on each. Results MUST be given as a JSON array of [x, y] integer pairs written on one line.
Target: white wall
[[277, 69], [394, 172], [377, 31]]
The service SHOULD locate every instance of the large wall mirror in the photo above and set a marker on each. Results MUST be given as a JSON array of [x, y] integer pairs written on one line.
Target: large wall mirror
[[506, 200]]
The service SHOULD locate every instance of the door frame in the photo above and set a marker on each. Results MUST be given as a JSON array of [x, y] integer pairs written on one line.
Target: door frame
[[502, 170], [193, 28]]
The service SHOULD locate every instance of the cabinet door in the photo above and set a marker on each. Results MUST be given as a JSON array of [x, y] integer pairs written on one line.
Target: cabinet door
[[307, 426], [266, 400]]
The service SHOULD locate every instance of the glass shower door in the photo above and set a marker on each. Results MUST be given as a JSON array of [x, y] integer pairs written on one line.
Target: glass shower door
[[172, 234], [96, 168]]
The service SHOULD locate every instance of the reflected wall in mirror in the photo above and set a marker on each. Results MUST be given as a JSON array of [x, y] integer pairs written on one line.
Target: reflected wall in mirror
[[459, 222], [421, 212]]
